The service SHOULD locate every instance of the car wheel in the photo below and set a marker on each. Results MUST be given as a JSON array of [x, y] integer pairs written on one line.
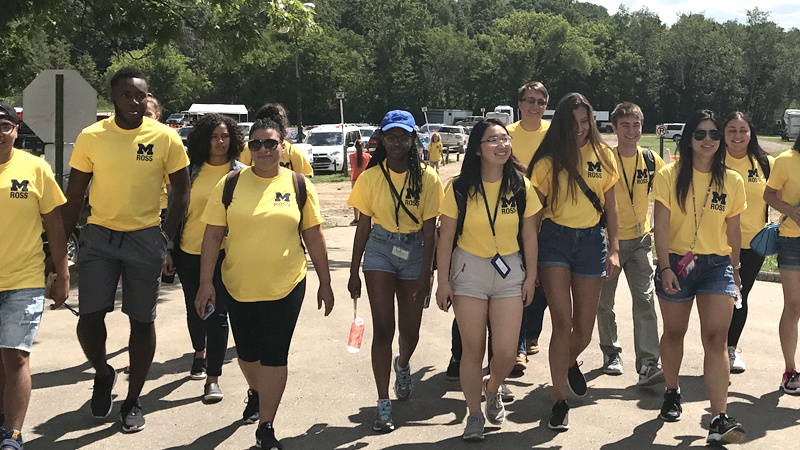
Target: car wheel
[[676, 138], [72, 248]]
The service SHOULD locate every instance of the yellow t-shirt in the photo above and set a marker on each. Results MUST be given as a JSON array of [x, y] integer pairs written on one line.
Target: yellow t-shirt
[[435, 151], [630, 215], [576, 211], [372, 196], [781, 178], [723, 203], [263, 257], [292, 159], [127, 168], [753, 218], [525, 143], [193, 227], [476, 236], [27, 191]]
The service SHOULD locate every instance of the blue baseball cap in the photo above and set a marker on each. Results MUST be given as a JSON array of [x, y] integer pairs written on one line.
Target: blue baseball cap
[[398, 118]]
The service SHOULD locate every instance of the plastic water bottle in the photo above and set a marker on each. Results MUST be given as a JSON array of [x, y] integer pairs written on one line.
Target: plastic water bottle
[[356, 333], [738, 299]]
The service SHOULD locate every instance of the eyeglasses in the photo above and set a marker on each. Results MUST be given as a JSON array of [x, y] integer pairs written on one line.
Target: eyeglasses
[[714, 134], [257, 144], [535, 101], [497, 140], [7, 127], [394, 139]]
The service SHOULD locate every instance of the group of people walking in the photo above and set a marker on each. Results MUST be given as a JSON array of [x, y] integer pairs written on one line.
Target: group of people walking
[[542, 214]]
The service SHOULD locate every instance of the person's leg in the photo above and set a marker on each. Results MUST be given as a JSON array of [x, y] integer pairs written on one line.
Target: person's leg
[[606, 318], [715, 317], [456, 347], [409, 317], [585, 296], [381, 290], [535, 316], [556, 282], [675, 318], [503, 314], [16, 369], [92, 337], [751, 265], [188, 270], [639, 272], [787, 328], [142, 348], [217, 328], [472, 314]]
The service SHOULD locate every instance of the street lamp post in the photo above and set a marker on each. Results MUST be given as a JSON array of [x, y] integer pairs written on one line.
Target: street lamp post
[[284, 30]]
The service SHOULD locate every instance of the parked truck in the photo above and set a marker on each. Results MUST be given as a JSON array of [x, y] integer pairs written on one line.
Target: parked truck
[[447, 116], [790, 128]]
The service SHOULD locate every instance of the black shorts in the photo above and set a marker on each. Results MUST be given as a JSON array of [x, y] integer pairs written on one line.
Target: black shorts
[[263, 330]]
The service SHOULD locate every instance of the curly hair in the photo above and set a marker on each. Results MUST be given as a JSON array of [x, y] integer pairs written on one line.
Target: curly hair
[[199, 139], [275, 112]]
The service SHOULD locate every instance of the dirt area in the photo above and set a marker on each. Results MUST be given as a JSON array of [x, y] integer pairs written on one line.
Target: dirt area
[[333, 196]]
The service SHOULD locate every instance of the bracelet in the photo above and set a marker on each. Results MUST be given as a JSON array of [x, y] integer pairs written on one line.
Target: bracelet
[[738, 266], [666, 268]]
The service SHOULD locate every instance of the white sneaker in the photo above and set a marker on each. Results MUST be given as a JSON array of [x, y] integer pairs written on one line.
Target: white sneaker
[[612, 364], [737, 364]]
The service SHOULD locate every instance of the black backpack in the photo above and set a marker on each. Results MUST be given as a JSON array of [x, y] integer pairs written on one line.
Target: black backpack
[[650, 164]]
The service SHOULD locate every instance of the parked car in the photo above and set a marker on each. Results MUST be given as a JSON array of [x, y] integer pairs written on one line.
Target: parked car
[[469, 121], [674, 131], [177, 120], [454, 138], [431, 127], [366, 134], [326, 145], [183, 132], [28, 140]]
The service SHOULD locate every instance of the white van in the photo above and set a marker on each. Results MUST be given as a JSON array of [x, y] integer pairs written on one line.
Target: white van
[[674, 131], [326, 145]]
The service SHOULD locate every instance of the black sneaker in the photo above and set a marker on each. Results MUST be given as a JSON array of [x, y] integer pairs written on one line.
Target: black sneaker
[[453, 370], [576, 381], [725, 430], [251, 411], [198, 369], [671, 408], [101, 394], [559, 421], [265, 437], [130, 414]]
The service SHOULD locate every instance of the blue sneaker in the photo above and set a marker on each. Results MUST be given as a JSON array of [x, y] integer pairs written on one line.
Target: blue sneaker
[[383, 418], [402, 380], [12, 440]]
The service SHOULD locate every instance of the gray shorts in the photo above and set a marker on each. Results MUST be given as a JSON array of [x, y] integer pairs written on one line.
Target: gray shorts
[[20, 315], [105, 255], [472, 276]]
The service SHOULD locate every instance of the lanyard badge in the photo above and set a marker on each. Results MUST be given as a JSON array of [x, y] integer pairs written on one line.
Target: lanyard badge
[[498, 262]]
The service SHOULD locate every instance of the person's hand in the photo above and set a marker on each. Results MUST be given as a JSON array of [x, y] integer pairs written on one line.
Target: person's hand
[[528, 288], [669, 281], [325, 295], [59, 291], [205, 294], [612, 265], [795, 215], [737, 279], [169, 267], [423, 285], [444, 296], [354, 285]]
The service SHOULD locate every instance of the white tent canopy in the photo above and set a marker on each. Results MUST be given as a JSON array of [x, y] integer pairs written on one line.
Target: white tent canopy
[[202, 108]]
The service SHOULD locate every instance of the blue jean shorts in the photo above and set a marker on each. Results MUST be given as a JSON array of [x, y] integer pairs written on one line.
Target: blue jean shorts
[[20, 315], [581, 250], [712, 275], [397, 253], [789, 253]]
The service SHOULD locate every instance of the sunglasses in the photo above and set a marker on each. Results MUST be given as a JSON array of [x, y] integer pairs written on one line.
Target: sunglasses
[[535, 101], [7, 127], [257, 144], [393, 139], [699, 135]]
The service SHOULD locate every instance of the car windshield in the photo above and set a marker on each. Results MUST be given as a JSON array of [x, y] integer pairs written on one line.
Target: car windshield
[[449, 130], [183, 132], [431, 128], [366, 133], [328, 138]]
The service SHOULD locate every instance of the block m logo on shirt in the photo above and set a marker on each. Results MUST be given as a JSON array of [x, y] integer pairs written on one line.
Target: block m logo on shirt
[[509, 205], [19, 189], [595, 169], [642, 177], [144, 153], [752, 176], [718, 201], [412, 197], [283, 199]]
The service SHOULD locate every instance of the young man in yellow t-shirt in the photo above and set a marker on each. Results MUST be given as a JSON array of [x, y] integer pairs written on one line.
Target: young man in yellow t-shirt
[[29, 196], [125, 157], [635, 242]]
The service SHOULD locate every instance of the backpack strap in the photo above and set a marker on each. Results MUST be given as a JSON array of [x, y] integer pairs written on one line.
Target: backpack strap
[[460, 190], [300, 190], [520, 198], [230, 184], [650, 164], [765, 170], [590, 194]]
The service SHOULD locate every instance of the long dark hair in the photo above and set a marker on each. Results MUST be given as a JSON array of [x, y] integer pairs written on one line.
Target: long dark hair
[[359, 153], [199, 139], [471, 168], [414, 164], [559, 145], [686, 161], [796, 146], [754, 150]]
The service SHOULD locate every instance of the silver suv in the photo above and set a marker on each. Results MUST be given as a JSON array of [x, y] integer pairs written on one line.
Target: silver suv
[[453, 138]]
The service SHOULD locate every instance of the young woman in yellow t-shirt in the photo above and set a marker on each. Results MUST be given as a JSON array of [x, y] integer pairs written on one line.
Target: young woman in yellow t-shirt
[[486, 278], [576, 249], [698, 201], [262, 223], [435, 150], [744, 155], [398, 198], [784, 179], [214, 144]]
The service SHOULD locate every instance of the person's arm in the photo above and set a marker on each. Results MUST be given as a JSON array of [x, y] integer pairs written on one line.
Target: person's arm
[[772, 199], [734, 234], [318, 252], [76, 194], [661, 217], [209, 253], [612, 234], [57, 242], [359, 243], [179, 180], [444, 253], [429, 245], [530, 240]]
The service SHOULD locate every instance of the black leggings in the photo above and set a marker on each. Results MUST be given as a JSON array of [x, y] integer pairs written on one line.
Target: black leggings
[[213, 331], [751, 265]]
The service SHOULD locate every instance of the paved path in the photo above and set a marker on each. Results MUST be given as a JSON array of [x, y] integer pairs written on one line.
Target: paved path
[[330, 399]]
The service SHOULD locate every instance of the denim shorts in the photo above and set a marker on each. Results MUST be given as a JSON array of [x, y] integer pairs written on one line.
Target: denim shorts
[[789, 253], [712, 275], [397, 253], [473, 276], [581, 250], [20, 314]]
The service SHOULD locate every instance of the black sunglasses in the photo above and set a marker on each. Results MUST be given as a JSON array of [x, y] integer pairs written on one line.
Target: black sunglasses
[[535, 101], [256, 144], [714, 134]]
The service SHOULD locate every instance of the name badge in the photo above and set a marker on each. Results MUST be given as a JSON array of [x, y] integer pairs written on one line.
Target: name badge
[[500, 265], [400, 252]]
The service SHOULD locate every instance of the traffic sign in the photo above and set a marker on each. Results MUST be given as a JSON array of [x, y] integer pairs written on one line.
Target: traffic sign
[[424, 109], [661, 130], [340, 96]]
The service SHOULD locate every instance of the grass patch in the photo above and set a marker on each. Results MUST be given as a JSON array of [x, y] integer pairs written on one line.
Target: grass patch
[[651, 141], [330, 178], [770, 264]]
